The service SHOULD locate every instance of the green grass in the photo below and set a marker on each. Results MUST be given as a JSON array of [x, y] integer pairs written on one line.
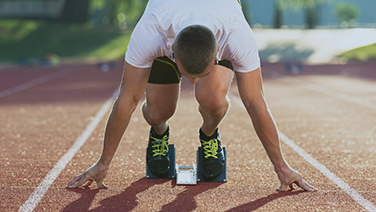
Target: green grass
[[28, 39], [365, 53]]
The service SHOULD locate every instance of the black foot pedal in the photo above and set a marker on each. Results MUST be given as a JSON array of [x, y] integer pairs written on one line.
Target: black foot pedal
[[171, 173], [220, 178]]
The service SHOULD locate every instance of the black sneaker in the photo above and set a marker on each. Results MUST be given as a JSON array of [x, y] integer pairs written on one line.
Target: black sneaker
[[157, 157], [213, 161]]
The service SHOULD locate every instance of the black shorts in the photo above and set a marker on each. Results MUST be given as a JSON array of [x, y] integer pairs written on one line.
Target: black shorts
[[165, 71]]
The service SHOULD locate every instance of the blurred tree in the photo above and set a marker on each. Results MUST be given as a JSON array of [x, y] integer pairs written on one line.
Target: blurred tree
[[246, 11], [311, 17], [310, 7], [277, 16], [118, 13], [346, 14], [75, 11]]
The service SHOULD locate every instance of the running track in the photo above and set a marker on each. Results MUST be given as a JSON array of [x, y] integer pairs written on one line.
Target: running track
[[52, 123]]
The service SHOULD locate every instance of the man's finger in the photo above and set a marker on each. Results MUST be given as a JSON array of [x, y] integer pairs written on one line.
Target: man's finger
[[304, 185], [282, 188], [87, 183], [292, 186], [101, 185], [74, 180], [82, 179]]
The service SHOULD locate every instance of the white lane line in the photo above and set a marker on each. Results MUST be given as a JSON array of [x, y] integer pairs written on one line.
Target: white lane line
[[327, 91], [32, 83], [330, 175], [39, 192]]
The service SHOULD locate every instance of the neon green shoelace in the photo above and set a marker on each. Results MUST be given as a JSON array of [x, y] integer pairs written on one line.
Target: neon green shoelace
[[160, 146], [210, 148]]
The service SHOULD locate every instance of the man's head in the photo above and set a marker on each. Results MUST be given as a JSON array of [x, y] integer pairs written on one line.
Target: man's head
[[195, 50]]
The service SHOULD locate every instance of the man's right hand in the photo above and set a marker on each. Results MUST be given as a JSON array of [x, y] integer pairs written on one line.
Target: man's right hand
[[95, 173]]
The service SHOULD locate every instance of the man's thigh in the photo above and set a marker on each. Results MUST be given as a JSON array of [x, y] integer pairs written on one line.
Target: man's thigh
[[162, 90], [162, 95]]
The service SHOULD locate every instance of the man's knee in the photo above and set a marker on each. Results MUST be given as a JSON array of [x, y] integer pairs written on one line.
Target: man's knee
[[214, 106], [159, 117], [155, 116]]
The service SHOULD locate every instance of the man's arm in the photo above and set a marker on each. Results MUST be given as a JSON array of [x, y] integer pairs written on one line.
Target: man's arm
[[132, 87], [251, 92]]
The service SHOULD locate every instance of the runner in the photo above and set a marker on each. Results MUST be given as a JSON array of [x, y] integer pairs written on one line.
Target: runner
[[208, 42]]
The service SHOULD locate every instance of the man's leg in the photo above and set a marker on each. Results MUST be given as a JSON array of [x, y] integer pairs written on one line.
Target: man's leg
[[211, 93], [162, 93], [160, 105]]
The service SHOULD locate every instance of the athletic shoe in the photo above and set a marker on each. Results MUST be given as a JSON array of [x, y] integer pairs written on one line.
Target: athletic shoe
[[213, 161], [157, 157]]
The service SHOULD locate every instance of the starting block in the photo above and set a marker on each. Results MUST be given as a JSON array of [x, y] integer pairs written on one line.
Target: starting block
[[171, 173], [186, 175], [220, 178]]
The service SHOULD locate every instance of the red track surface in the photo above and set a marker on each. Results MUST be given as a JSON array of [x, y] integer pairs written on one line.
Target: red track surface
[[326, 110]]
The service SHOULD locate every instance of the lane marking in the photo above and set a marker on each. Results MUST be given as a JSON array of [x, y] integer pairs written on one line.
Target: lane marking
[[32, 83], [40, 191], [327, 91], [330, 175]]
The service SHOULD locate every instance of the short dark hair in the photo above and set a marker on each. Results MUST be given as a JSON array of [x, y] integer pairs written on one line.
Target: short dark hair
[[196, 47]]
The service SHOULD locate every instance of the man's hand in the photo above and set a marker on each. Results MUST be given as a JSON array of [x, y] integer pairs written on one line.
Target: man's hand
[[292, 177], [95, 173]]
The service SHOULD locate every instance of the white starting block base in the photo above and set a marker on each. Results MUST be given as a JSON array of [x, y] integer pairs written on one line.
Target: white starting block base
[[186, 175]]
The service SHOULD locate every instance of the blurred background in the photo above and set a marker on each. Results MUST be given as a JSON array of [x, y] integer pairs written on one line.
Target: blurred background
[[34, 32]]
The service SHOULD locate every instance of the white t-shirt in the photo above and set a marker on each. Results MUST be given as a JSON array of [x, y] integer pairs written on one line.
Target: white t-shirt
[[162, 20]]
